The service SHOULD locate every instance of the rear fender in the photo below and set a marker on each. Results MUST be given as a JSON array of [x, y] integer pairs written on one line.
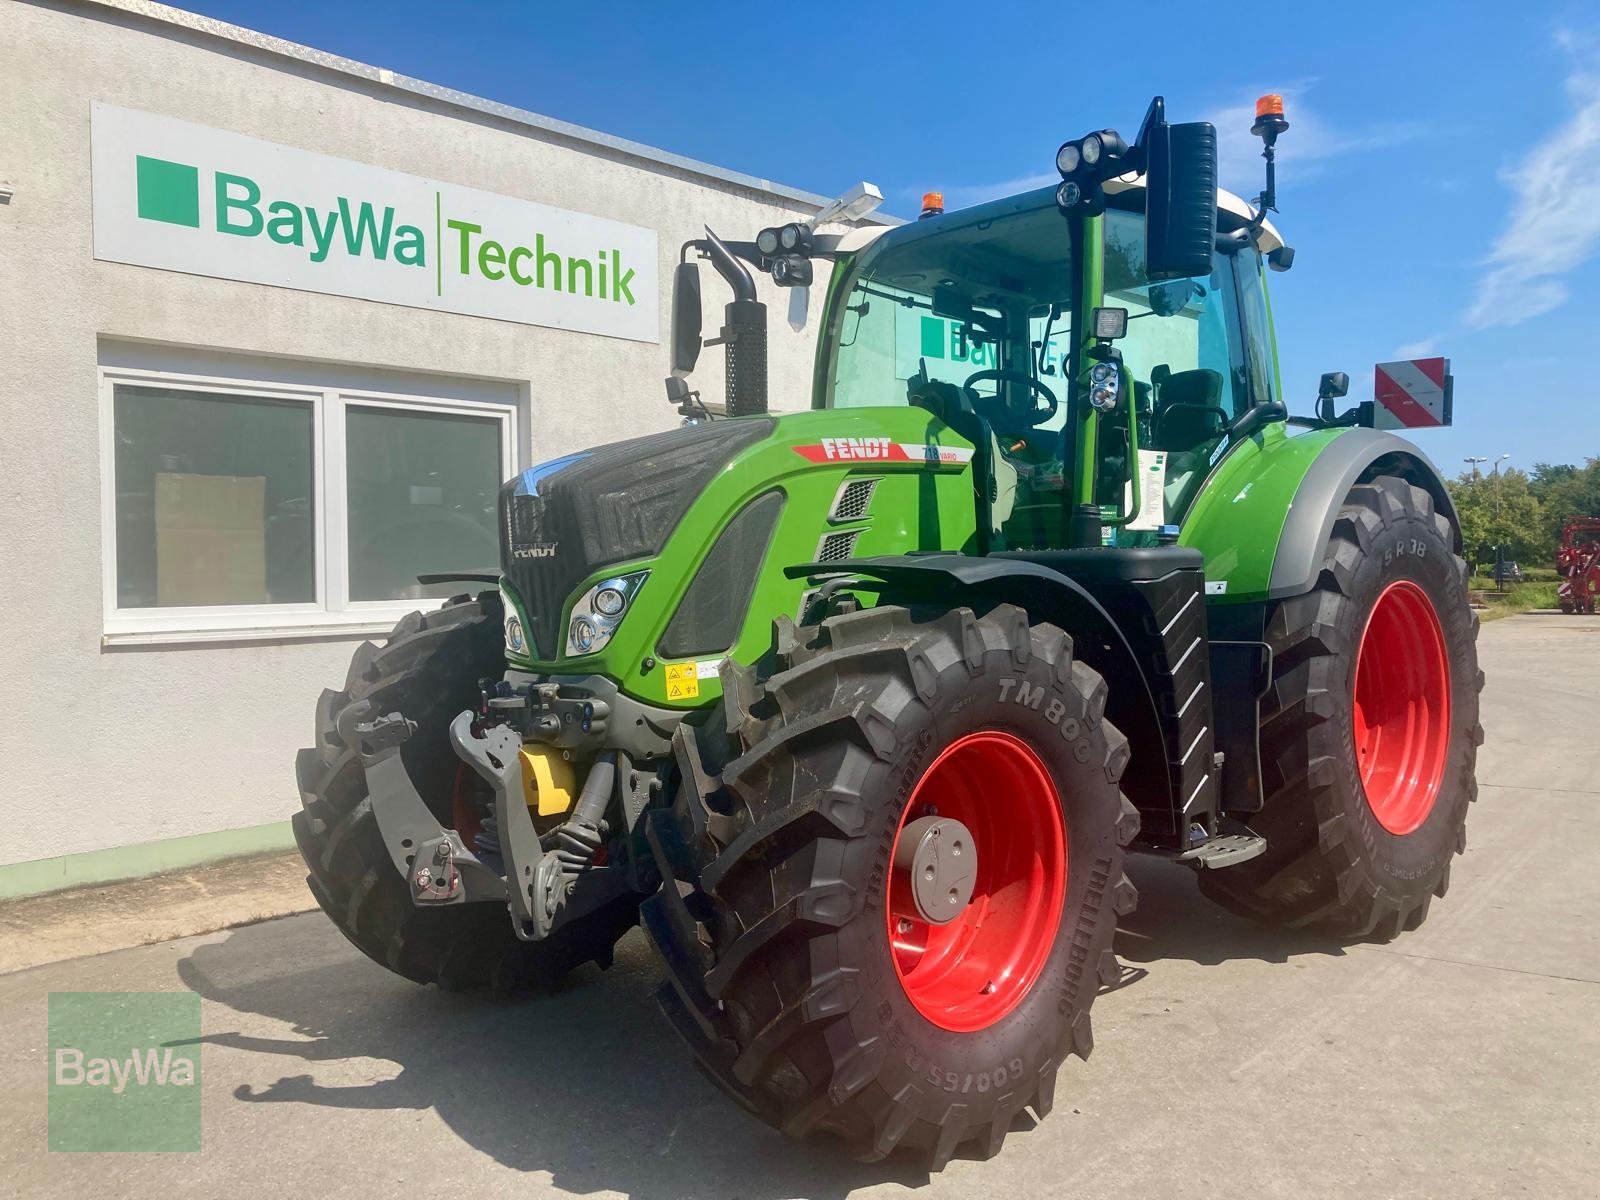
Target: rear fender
[[1357, 456], [1265, 514]]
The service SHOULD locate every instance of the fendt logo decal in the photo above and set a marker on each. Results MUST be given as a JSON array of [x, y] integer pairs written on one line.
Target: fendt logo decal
[[882, 449]]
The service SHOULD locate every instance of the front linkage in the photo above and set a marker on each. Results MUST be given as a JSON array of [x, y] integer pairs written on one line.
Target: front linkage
[[544, 885]]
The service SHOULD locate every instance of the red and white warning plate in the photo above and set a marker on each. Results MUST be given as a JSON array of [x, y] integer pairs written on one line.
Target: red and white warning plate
[[1412, 394]]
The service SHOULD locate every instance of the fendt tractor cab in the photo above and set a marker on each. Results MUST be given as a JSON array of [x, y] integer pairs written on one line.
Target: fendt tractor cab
[[858, 710]]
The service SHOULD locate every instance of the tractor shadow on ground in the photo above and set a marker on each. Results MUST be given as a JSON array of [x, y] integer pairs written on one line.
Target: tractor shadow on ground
[[587, 1082], [1174, 921]]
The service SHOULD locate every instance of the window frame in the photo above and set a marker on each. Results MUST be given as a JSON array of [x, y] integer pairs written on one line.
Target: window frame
[[332, 613]]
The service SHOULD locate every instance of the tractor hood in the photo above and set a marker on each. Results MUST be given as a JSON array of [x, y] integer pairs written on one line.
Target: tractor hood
[[565, 519]]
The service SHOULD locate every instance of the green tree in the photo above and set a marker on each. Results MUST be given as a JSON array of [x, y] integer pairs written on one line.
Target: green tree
[[1501, 509], [1566, 491]]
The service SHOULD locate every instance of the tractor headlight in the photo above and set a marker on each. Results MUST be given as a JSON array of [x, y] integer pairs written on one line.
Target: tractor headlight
[[1090, 148], [767, 242], [583, 636], [1068, 158], [599, 611], [516, 635]]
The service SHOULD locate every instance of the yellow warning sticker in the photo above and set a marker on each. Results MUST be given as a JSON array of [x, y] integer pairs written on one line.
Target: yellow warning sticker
[[683, 683]]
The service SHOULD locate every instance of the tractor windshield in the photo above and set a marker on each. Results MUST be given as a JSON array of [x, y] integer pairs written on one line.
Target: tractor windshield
[[976, 302], [980, 300], [956, 297]]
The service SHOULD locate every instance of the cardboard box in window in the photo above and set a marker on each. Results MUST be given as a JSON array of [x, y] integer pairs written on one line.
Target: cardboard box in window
[[211, 543]]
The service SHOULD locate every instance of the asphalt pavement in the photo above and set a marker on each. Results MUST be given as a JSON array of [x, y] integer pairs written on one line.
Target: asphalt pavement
[[1460, 1060]]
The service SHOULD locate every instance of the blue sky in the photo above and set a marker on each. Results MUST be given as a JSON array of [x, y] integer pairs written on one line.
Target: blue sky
[[1440, 179]]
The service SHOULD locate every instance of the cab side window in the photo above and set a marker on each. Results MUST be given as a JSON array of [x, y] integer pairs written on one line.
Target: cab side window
[[1256, 315], [1181, 350]]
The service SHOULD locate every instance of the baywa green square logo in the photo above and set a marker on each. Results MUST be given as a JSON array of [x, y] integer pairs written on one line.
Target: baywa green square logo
[[168, 191], [124, 1071]]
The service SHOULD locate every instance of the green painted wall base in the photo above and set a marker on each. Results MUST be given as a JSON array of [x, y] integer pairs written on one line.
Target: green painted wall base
[[135, 862]]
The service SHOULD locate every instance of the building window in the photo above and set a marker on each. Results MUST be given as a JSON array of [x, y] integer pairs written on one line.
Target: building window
[[420, 489], [253, 509]]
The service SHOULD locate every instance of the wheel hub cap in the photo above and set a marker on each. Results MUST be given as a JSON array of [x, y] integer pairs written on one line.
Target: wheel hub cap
[[935, 867], [978, 880], [1402, 707]]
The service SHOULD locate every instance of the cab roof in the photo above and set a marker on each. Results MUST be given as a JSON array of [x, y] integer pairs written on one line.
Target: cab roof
[[856, 239]]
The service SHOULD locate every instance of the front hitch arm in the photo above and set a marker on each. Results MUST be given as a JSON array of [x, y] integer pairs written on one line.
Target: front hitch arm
[[546, 889], [533, 878], [436, 865]]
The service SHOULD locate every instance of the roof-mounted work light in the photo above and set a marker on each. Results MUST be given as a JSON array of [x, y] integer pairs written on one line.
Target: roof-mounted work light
[[1084, 164]]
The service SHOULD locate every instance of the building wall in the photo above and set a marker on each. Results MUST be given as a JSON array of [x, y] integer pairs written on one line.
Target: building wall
[[105, 746]]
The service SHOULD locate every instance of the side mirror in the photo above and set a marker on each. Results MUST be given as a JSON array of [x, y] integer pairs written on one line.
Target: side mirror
[[1333, 385], [686, 317], [1180, 199]]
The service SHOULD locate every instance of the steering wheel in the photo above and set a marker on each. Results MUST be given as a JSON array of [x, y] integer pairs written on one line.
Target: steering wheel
[[1002, 418]]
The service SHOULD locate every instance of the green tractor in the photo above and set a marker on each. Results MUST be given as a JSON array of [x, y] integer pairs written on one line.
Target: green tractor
[[858, 710]]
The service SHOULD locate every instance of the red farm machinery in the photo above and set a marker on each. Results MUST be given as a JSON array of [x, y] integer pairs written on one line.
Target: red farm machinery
[[1578, 562]]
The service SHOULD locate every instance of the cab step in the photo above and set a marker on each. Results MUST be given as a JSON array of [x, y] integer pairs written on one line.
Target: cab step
[[1224, 850], [1233, 843]]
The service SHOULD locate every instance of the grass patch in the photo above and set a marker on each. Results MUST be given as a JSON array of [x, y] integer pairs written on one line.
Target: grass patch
[[1519, 598]]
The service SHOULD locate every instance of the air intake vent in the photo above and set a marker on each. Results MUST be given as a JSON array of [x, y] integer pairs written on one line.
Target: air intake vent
[[853, 500], [712, 611], [836, 547]]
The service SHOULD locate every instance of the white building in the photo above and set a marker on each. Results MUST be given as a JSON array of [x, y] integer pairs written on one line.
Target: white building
[[275, 326]]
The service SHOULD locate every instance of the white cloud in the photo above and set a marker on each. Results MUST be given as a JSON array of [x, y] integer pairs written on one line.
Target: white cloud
[[1554, 223], [1308, 148], [1425, 348]]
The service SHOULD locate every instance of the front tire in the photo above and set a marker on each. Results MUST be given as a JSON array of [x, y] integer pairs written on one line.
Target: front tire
[[1369, 733], [429, 669], [795, 977]]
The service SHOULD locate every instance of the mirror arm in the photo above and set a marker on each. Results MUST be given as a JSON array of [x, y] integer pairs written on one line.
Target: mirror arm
[[1254, 417], [729, 267]]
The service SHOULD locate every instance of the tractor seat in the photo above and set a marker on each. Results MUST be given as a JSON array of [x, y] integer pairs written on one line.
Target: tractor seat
[[1191, 412]]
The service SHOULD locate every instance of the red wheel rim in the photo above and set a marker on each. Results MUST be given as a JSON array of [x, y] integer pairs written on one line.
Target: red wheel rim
[[971, 972], [1402, 707]]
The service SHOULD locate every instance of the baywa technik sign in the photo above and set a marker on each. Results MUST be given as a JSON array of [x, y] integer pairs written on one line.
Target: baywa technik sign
[[184, 197]]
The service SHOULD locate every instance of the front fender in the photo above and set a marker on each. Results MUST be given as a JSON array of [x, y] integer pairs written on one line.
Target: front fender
[[1264, 517]]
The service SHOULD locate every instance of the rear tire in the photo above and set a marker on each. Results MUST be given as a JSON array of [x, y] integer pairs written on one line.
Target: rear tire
[[1347, 853], [429, 669], [783, 978]]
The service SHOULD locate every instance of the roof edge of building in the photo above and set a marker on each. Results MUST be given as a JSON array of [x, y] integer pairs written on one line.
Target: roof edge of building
[[164, 14]]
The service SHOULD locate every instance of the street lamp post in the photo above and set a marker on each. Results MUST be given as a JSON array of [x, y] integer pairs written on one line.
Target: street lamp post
[[1500, 546], [1474, 462]]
